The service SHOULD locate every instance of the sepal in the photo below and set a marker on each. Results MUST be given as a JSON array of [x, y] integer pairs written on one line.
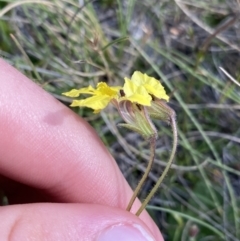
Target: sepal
[[161, 111], [137, 119]]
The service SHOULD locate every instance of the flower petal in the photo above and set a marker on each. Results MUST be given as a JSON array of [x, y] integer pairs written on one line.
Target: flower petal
[[135, 93], [138, 78], [76, 93], [152, 85], [104, 89], [95, 102]]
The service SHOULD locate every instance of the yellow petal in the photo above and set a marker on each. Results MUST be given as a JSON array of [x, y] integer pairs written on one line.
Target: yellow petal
[[137, 94], [72, 93], [138, 78], [104, 89], [157, 90], [76, 93], [152, 85], [94, 102]]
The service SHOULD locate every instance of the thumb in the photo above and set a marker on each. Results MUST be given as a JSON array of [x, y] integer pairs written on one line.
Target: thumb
[[71, 222]]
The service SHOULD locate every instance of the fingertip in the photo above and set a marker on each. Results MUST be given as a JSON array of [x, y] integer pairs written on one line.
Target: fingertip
[[53, 222]]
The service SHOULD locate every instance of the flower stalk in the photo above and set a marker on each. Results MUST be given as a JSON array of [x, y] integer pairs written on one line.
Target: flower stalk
[[144, 177], [170, 161]]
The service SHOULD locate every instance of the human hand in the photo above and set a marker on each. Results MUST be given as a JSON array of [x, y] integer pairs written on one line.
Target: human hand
[[53, 163]]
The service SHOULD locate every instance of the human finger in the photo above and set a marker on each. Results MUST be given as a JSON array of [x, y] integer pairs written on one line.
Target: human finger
[[85, 222], [46, 146]]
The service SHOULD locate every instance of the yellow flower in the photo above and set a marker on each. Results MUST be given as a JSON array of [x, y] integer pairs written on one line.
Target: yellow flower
[[101, 96], [141, 87]]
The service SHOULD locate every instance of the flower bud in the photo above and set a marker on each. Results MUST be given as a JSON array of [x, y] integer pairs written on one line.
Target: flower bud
[[160, 110], [137, 119]]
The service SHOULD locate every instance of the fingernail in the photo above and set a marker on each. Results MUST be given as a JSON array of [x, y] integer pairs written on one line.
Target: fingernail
[[120, 232]]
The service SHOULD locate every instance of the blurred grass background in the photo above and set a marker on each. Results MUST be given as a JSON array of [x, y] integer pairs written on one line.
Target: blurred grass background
[[65, 44]]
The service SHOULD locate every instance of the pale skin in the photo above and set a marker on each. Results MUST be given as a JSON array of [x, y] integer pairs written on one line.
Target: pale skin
[[53, 163]]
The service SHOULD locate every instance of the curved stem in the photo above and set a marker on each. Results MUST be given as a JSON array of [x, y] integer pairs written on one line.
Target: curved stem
[[140, 184], [150, 195]]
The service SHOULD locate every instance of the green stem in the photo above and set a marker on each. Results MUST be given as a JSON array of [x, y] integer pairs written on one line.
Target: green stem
[[140, 184], [150, 195]]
